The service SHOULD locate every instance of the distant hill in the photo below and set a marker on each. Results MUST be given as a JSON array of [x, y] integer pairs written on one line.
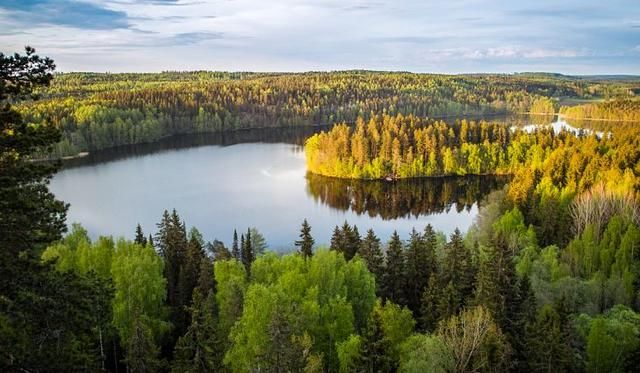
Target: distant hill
[[580, 77]]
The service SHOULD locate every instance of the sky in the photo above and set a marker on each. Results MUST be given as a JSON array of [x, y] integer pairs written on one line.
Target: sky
[[444, 36]]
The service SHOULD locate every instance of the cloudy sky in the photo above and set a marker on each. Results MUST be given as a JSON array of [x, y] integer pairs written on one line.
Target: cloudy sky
[[449, 36]]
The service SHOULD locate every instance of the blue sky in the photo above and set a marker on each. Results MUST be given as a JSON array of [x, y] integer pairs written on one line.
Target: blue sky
[[453, 36]]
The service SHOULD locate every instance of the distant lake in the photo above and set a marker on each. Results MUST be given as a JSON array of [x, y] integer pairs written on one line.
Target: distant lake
[[254, 178]]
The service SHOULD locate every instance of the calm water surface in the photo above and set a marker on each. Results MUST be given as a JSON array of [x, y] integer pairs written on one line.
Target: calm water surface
[[223, 182]]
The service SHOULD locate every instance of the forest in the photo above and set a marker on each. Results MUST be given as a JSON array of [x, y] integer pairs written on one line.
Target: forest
[[98, 111], [397, 147], [546, 280]]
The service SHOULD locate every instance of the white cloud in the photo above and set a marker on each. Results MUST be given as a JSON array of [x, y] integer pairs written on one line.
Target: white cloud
[[453, 36]]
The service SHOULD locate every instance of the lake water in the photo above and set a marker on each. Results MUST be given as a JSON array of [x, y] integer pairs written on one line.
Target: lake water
[[219, 183]]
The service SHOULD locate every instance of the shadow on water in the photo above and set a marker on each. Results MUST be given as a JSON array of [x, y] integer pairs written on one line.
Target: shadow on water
[[403, 198], [295, 136]]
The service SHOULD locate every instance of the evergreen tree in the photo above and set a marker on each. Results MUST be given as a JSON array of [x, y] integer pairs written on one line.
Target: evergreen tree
[[258, 242], [49, 321], [235, 250], [418, 270], [352, 237], [248, 255], [547, 350], [140, 239], [521, 312], [190, 272], [306, 240], [30, 215], [198, 349], [456, 277], [337, 240], [394, 279], [374, 356], [142, 353], [429, 306], [172, 243], [218, 251], [371, 252]]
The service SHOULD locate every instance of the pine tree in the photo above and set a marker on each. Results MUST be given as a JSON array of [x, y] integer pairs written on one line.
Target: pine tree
[[371, 252], [394, 279], [140, 238], [306, 240], [235, 250], [30, 215]]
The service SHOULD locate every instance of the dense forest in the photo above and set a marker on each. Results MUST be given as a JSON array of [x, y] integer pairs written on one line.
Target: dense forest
[[97, 111], [615, 110], [407, 146], [546, 280]]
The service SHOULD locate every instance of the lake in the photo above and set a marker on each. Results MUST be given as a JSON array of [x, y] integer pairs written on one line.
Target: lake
[[254, 178]]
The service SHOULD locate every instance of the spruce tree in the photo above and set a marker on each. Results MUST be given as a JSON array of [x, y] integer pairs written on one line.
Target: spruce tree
[[429, 306], [417, 271], [352, 242], [171, 240], [496, 283], [306, 240], [371, 252], [547, 349], [394, 279], [456, 278], [374, 356], [140, 238], [142, 355], [248, 255], [337, 240], [198, 349], [235, 250]]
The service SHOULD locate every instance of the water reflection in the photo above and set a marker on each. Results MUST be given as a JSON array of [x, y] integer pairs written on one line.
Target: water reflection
[[402, 198], [295, 136]]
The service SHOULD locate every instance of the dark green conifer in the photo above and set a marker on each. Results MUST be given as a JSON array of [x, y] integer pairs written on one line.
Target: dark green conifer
[[394, 279], [306, 240]]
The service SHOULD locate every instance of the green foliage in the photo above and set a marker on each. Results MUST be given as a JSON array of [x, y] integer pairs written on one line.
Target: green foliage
[[612, 339], [425, 353], [325, 297], [96, 111], [49, 320], [231, 285], [140, 290]]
